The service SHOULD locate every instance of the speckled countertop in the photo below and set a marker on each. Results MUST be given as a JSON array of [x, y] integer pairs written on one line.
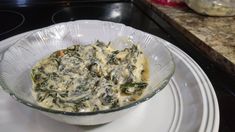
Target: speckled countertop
[[214, 35]]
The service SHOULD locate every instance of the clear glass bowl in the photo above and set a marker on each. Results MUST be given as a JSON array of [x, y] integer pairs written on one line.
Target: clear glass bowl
[[18, 60], [213, 7]]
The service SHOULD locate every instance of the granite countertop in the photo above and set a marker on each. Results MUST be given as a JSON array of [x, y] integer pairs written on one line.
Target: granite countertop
[[215, 36]]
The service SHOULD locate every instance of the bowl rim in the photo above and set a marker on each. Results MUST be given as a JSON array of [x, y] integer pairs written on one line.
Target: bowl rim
[[161, 85]]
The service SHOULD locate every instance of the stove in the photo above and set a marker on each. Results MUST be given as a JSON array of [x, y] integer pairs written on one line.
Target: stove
[[12, 20], [24, 15], [25, 18]]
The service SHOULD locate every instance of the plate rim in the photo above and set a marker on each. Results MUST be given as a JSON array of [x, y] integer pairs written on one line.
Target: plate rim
[[210, 89]]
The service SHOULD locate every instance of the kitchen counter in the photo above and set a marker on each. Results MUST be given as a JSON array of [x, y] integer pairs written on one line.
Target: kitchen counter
[[214, 36]]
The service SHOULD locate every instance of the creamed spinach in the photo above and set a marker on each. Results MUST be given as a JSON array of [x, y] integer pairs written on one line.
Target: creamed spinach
[[84, 78]]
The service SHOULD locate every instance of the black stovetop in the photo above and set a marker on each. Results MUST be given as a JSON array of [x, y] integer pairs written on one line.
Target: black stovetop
[[24, 15]]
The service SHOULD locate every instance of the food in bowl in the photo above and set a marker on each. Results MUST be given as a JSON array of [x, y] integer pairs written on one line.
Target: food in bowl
[[18, 60], [213, 7], [86, 78]]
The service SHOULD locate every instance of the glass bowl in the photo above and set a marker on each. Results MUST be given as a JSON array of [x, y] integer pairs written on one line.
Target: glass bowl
[[17, 61]]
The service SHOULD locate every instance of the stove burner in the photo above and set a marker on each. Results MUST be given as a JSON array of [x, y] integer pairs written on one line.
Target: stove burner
[[74, 13], [10, 20], [108, 13]]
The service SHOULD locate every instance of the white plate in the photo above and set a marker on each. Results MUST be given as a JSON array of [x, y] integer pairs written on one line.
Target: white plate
[[187, 104]]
